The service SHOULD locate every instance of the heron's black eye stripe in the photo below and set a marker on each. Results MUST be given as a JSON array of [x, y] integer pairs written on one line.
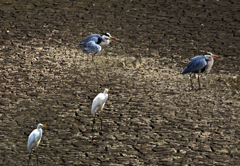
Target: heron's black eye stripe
[[106, 34]]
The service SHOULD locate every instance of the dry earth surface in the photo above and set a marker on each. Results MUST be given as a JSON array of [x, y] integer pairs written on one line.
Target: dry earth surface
[[152, 117]]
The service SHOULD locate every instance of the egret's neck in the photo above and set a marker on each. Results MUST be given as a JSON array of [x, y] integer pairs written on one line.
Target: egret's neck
[[39, 130], [106, 95]]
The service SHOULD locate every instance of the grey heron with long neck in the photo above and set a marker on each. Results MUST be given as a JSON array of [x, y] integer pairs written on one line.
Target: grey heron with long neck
[[200, 64], [92, 43]]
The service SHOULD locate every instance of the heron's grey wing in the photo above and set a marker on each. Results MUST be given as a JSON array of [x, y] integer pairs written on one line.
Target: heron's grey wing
[[92, 37], [196, 64], [91, 47], [197, 57]]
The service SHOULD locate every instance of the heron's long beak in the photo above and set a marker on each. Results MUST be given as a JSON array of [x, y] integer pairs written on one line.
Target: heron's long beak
[[113, 37], [107, 91], [44, 127], [214, 56]]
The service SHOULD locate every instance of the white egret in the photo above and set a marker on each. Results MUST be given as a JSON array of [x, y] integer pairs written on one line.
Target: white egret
[[98, 104], [34, 140]]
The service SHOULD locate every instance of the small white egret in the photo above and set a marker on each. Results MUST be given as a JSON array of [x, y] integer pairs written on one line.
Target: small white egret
[[34, 140], [98, 104]]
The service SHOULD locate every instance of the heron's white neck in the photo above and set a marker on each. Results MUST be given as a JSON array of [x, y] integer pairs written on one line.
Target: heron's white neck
[[105, 42], [209, 65]]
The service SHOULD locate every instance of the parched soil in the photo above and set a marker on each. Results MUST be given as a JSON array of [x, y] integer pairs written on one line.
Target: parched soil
[[152, 116]]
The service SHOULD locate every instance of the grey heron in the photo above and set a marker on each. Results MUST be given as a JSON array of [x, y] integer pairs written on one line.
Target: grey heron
[[92, 43], [200, 64]]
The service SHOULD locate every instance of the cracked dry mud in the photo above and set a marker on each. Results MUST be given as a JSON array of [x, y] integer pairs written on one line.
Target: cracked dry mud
[[152, 117]]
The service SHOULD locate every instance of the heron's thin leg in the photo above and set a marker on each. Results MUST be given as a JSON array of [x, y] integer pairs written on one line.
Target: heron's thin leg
[[92, 57], [191, 80], [199, 81], [93, 121], [101, 119], [37, 157], [29, 159]]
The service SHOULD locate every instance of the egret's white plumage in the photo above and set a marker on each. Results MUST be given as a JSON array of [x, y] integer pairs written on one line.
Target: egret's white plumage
[[98, 104], [35, 138], [99, 101]]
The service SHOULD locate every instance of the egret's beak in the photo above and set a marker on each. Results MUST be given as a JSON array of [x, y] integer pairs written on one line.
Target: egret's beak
[[107, 91], [113, 37], [214, 56], [44, 127]]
